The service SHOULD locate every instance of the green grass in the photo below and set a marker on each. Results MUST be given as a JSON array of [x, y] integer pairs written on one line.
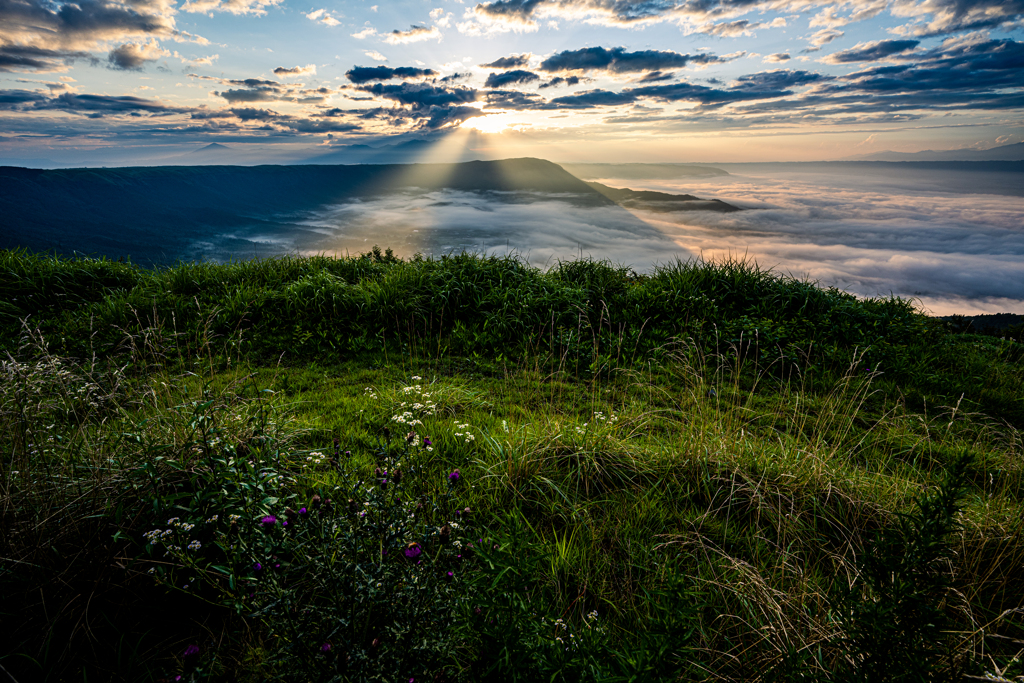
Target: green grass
[[704, 455]]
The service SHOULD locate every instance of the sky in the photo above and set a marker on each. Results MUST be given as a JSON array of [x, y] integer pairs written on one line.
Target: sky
[[567, 80]]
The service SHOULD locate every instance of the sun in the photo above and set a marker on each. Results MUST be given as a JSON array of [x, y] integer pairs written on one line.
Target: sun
[[494, 123]]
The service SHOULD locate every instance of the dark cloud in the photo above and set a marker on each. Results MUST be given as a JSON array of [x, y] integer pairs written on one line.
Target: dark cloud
[[251, 114], [250, 82], [965, 70], [687, 92], [513, 99], [655, 76], [509, 9], [20, 99], [955, 16], [779, 79], [500, 80], [28, 58], [38, 35], [262, 94], [366, 74], [413, 35], [295, 70], [421, 94], [617, 60], [558, 80], [451, 78], [872, 52], [593, 98], [510, 62], [442, 117], [132, 56]]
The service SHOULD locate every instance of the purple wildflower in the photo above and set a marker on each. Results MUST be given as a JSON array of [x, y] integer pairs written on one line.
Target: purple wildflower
[[454, 476], [427, 441], [257, 567], [303, 512], [413, 550], [450, 576], [325, 648], [268, 521]]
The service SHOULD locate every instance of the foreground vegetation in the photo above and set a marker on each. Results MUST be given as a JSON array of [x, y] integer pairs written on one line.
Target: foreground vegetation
[[467, 469]]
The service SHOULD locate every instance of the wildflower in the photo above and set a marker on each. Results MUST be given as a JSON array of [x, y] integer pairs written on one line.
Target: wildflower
[[257, 567], [195, 545], [413, 550], [191, 655], [268, 521], [449, 576], [454, 476], [303, 512], [325, 648], [427, 441]]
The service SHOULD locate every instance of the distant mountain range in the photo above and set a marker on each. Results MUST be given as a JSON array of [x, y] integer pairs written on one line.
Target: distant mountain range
[[1004, 153], [159, 214]]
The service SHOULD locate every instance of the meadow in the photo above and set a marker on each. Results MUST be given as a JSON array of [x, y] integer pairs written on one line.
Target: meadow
[[464, 468]]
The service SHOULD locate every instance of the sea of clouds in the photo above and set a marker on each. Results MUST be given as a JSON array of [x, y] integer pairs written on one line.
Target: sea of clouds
[[937, 237]]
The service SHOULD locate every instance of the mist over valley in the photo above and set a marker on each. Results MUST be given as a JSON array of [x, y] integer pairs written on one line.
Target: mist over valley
[[947, 234]]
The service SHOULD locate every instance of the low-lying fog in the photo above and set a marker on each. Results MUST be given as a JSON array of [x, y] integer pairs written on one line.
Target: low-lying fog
[[934, 237]]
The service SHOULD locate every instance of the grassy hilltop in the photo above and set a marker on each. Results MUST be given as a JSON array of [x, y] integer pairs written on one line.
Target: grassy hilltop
[[467, 469]]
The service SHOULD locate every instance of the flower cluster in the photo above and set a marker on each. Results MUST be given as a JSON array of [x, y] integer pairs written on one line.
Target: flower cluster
[[314, 459], [464, 434]]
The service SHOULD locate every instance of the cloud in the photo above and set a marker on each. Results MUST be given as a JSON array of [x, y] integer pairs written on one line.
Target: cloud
[[500, 80], [366, 74], [36, 35], [108, 104], [446, 117], [656, 76], [593, 98], [943, 17], [132, 56], [415, 34], [517, 10], [569, 81], [510, 62], [440, 18], [197, 61], [237, 7], [957, 73], [286, 72], [28, 58], [513, 99], [777, 57], [617, 60], [375, 56], [870, 230], [822, 38], [15, 100], [740, 27], [545, 228], [871, 52], [365, 33], [252, 114], [421, 94], [779, 79], [830, 16], [324, 17]]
